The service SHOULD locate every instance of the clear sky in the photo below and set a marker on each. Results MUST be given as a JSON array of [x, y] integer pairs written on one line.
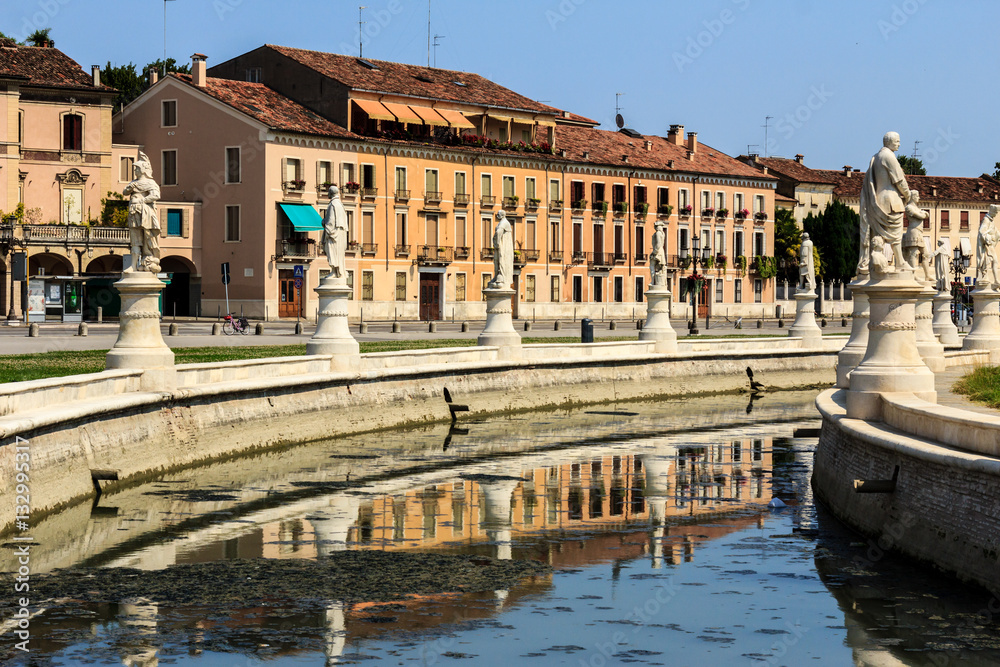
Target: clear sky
[[834, 76]]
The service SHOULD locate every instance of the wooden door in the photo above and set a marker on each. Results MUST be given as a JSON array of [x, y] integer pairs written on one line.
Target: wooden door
[[430, 296], [514, 300], [288, 296], [703, 298]]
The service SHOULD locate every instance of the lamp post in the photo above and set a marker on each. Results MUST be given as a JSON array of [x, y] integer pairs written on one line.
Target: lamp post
[[959, 265], [698, 256]]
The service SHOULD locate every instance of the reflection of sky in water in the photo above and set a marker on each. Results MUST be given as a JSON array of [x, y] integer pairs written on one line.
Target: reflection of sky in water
[[657, 527]]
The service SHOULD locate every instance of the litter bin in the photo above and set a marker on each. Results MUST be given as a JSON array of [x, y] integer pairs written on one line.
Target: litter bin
[[586, 330]]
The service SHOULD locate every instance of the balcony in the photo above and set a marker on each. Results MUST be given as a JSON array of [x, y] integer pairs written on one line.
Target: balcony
[[369, 249], [510, 203], [722, 214], [664, 210], [297, 250], [760, 218], [487, 201], [578, 206], [620, 209], [530, 255], [402, 251], [600, 261], [369, 193], [432, 198], [69, 234], [620, 257], [402, 195], [297, 186], [532, 203], [639, 258], [462, 252], [352, 248], [707, 213], [555, 206], [678, 261], [432, 255], [599, 208], [486, 253], [641, 209], [461, 199], [579, 256], [556, 256], [350, 190]]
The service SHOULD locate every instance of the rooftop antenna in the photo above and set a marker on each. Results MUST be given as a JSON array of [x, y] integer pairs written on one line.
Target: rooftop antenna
[[428, 33], [361, 32], [767, 125], [165, 36], [436, 38], [619, 119]]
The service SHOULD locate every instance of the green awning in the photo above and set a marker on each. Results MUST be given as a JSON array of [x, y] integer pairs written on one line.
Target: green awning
[[304, 217]]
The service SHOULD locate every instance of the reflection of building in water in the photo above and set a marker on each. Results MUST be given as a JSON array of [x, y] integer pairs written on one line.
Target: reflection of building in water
[[138, 620]]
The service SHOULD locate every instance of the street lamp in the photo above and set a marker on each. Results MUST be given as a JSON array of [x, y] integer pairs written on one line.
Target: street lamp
[[693, 280], [959, 265]]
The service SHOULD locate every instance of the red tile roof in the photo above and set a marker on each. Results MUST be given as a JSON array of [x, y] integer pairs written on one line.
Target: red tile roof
[[268, 106], [948, 188], [43, 66], [792, 169], [609, 148], [412, 80]]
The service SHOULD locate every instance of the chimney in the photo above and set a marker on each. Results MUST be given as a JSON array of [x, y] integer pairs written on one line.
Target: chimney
[[95, 71], [765, 171], [676, 134], [847, 170], [933, 191], [670, 164], [799, 158], [154, 76], [586, 155], [649, 145], [979, 187], [691, 155], [692, 142], [624, 158], [198, 67]]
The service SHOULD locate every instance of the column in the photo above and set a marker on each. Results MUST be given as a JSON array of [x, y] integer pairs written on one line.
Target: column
[[931, 349], [942, 323], [852, 353], [333, 335], [140, 344], [985, 333], [499, 330], [657, 327], [805, 326]]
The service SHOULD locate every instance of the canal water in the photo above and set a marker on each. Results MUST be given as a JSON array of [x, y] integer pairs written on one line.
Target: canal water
[[676, 533]]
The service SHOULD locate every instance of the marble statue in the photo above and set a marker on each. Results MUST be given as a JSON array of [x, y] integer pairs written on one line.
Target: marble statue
[[658, 258], [879, 264], [883, 193], [986, 248], [335, 236], [144, 226], [807, 266], [914, 248], [503, 253], [942, 266]]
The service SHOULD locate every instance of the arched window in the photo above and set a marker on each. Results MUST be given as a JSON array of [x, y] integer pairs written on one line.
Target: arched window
[[72, 132]]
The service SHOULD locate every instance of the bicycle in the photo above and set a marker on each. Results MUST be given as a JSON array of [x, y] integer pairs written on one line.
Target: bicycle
[[233, 325]]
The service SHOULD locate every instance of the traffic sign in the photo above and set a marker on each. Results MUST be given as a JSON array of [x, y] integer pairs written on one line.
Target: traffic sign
[[225, 273], [298, 283], [297, 272]]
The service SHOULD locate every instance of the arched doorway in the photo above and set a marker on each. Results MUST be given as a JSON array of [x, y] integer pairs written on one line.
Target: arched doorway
[[100, 275], [49, 264], [183, 290], [107, 265]]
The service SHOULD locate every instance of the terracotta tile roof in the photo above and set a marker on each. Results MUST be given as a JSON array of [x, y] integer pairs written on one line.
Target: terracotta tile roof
[[947, 188], [412, 80], [604, 147], [268, 106], [43, 66], [575, 119], [783, 199], [791, 169]]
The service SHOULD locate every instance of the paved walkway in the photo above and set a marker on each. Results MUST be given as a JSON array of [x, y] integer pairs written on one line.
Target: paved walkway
[[943, 384]]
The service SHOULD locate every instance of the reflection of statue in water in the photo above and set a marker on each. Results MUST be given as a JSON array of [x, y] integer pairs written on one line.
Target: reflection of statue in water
[[883, 192], [658, 258], [807, 265], [986, 248], [335, 236], [914, 248], [942, 266], [503, 253], [144, 226]]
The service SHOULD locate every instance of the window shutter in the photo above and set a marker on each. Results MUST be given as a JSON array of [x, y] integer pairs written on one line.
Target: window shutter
[[186, 223]]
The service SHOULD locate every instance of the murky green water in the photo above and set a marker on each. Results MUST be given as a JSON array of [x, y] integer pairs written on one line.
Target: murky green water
[[654, 517]]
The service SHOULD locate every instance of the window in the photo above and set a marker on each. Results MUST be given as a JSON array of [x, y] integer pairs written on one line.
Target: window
[[738, 293], [125, 169], [737, 244], [529, 189], [486, 283], [324, 174], [758, 245], [169, 167], [368, 226], [683, 198], [503, 134], [460, 238], [72, 132], [431, 230], [20, 127], [945, 220], [578, 289], [553, 190], [400, 228], [368, 176], [662, 197], [639, 194], [598, 191], [619, 289], [347, 174], [720, 242], [351, 234], [460, 287], [576, 192], [617, 194], [529, 289], [758, 290], [168, 113], [963, 221], [400, 285], [233, 164], [927, 220], [350, 284], [487, 232], [508, 186], [555, 239], [718, 290], [720, 200], [706, 199], [232, 223], [293, 171], [529, 234], [367, 285], [758, 204], [460, 183], [598, 295], [640, 243], [682, 241], [174, 221], [554, 289], [431, 185], [640, 287], [486, 185], [401, 190]]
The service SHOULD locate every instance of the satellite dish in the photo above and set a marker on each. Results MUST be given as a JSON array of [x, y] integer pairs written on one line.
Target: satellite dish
[[619, 121]]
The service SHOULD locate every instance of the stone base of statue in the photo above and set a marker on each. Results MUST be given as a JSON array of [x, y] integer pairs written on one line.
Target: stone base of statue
[[140, 344], [944, 326], [851, 355], [931, 349], [805, 326], [985, 332], [892, 362], [333, 335], [657, 326], [499, 329]]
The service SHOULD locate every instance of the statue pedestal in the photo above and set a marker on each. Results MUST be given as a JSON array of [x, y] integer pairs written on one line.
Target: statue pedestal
[[985, 333], [892, 361], [931, 349], [851, 355], [140, 344], [499, 329], [942, 323], [333, 336], [805, 326], [657, 327]]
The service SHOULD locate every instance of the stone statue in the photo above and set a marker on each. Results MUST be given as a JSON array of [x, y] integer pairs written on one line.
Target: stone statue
[[807, 265], [883, 192], [986, 248], [658, 258], [942, 266], [914, 248], [335, 236], [879, 264], [144, 226], [503, 253]]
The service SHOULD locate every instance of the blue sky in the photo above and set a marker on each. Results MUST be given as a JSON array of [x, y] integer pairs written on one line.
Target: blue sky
[[834, 76]]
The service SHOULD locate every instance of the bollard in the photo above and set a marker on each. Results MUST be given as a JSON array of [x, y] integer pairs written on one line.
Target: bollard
[[781, 324], [432, 327], [100, 314], [465, 327], [527, 326], [395, 327], [259, 329], [216, 329], [172, 330], [298, 328], [823, 321], [82, 329], [843, 321], [586, 330], [760, 324], [556, 326], [363, 327], [612, 326], [777, 311], [33, 330], [639, 324]]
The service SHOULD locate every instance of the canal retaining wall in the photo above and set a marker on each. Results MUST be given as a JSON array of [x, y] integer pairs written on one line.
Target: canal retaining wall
[[104, 422], [944, 508]]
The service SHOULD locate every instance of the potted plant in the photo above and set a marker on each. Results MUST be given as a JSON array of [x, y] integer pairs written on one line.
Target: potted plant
[[665, 209], [760, 215], [642, 208], [580, 204], [352, 187], [707, 212], [534, 202], [600, 207], [686, 209], [741, 215], [720, 262], [621, 207], [722, 213], [709, 262], [684, 262], [741, 265]]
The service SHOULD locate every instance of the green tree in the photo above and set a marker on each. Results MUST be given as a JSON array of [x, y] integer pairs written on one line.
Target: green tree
[[787, 240], [835, 236], [125, 80], [996, 170], [171, 66], [912, 166], [40, 38]]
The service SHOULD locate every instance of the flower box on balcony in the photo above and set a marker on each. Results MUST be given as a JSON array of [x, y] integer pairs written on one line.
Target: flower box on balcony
[[686, 210], [620, 208], [707, 212], [579, 204], [722, 213], [762, 215], [297, 185], [600, 207], [487, 200], [531, 203], [665, 210], [510, 203], [642, 208], [461, 199], [742, 215], [555, 205]]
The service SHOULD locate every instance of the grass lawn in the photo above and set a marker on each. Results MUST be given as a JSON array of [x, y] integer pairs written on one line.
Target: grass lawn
[[981, 385]]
